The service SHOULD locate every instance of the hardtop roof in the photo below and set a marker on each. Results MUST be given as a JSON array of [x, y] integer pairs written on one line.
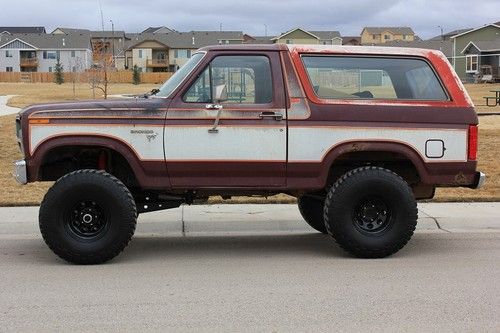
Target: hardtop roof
[[325, 49]]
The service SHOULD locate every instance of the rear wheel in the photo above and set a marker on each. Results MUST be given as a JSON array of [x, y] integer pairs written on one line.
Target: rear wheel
[[87, 217], [371, 212], [311, 209]]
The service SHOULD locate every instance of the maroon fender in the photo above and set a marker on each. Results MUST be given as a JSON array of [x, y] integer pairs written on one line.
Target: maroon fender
[[149, 174]]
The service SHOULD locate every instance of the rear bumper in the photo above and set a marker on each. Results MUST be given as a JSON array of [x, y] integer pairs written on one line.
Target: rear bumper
[[20, 172], [479, 180]]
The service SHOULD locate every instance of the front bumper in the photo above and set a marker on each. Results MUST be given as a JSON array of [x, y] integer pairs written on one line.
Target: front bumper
[[20, 173], [479, 180]]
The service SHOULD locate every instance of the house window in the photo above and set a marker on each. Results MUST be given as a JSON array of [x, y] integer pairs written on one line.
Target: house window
[[8, 69], [140, 54], [289, 41], [184, 54], [374, 36], [471, 63], [8, 54], [73, 54], [50, 54], [387, 37], [405, 36], [74, 69], [50, 69]]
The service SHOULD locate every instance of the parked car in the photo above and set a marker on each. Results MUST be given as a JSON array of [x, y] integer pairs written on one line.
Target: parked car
[[357, 134]]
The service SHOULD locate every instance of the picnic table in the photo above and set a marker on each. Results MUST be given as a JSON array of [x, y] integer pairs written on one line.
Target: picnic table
[[496, 98]]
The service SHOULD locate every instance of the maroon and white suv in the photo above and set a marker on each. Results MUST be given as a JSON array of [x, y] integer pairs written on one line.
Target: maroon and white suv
[[357, 134]]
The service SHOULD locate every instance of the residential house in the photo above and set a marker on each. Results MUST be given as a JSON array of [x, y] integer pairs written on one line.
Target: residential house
[[41, 52], [158, 30], [351, 40], [474, 48], [109, 46], [301, 36], [448, 35], [160, 52], [379, 35], [481, 54], [445, 46], [69, 31], [22, 30], [249, 39]]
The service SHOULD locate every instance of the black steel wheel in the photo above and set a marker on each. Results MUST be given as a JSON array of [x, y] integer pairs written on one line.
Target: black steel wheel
[[87, 217], [371, 212]]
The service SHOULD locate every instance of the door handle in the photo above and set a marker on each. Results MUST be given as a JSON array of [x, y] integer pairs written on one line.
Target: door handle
[[275, 115]]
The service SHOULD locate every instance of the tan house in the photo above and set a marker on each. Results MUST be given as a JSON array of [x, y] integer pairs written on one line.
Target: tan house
[[165, 52], [379, 35], [301, 36]]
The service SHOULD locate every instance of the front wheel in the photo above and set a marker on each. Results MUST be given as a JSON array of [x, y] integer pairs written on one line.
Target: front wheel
[[371, 212], [87, 217]]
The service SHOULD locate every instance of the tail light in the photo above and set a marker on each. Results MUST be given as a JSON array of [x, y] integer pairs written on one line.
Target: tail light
[[472, 145]]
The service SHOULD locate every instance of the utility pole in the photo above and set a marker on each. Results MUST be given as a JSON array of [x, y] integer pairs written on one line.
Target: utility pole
[[441, 28], [113, 39], [265, 30]]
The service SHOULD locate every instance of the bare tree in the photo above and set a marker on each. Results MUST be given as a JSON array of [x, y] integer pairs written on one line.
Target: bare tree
[[76, 67], [98, 75]]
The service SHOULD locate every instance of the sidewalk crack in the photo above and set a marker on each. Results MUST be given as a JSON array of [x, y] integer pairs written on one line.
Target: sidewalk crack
[[435, 221]]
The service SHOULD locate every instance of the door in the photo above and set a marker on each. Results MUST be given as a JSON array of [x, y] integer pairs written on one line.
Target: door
[[238, 142]]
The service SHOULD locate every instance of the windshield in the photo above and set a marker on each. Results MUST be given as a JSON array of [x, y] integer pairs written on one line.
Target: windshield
[[176, 79]]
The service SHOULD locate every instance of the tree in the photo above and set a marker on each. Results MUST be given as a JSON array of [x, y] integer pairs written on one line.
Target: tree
[[76, 66], [58, 73], [98, 77], [136, 75]]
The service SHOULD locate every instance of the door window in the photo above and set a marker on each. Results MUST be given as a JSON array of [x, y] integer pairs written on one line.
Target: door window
[[248, 80]]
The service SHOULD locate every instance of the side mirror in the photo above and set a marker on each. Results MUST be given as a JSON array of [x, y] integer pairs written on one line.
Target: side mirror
[[219, 93]]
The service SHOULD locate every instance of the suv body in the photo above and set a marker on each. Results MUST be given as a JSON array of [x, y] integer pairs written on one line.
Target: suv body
[[266, 119]]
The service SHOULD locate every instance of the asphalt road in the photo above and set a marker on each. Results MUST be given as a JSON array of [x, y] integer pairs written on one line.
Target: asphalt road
[[256, 268]]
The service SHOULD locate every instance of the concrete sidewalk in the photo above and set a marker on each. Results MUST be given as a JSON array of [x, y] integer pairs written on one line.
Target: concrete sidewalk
[[4, 109], [261, 219]]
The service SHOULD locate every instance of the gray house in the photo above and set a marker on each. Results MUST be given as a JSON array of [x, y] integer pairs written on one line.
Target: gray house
[[22, 30], [474, 48], [40, 52]]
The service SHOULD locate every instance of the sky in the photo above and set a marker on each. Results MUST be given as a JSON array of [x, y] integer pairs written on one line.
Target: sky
[[252, 16]]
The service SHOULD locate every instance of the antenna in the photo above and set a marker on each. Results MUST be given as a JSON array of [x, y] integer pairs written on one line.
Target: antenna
[[102, 17]]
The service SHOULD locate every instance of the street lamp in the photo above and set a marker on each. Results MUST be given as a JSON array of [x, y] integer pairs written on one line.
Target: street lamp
[[113, 39], [441, 28]]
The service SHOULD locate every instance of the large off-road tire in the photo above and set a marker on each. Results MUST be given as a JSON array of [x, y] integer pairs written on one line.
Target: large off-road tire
[[371, 212], [87, 217], [311, 209]]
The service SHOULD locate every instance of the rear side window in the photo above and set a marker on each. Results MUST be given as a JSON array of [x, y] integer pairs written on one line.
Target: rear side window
[[339, 77]]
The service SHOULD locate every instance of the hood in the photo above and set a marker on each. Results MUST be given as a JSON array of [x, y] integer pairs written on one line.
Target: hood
[[99, 108]]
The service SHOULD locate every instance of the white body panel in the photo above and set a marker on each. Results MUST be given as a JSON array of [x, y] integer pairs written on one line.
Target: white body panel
[[146, 141], [259, 143], [311, 144], [256, 143]]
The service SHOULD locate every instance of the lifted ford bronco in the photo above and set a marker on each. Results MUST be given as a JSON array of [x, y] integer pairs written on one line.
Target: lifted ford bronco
[[357, 134]]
